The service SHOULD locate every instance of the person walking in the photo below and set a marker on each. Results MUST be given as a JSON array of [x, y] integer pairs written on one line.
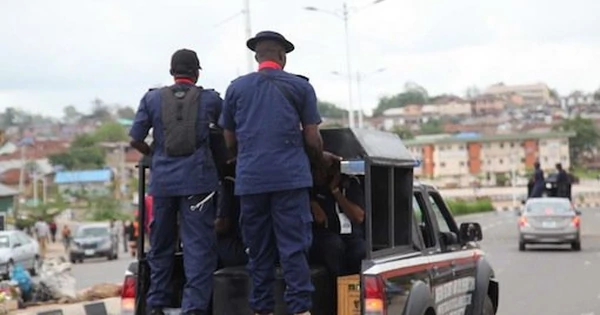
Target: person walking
[[66, 237], [184, 181], [271, 127]]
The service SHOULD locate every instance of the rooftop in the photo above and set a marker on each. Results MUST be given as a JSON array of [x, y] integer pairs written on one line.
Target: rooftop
[[88, 176], [476, 137]]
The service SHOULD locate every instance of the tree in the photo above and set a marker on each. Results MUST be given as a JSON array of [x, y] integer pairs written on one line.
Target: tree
[[125, 112], [586, 140], [432, 127], [413, 94], [472, 92], [403, 133], [330, 110], [83, 154], [111, 132], [597, 95], [71, 114], [100, 111]]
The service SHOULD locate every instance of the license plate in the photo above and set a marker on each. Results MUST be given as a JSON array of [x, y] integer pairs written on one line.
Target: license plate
[[89, 252], [549, 224]]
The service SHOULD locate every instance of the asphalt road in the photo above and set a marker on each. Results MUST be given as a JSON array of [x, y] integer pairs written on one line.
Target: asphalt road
[[543, 280], [100, 270]]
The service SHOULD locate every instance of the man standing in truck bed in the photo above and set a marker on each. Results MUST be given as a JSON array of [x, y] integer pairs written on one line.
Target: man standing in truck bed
[[262, 114], [184, 179]]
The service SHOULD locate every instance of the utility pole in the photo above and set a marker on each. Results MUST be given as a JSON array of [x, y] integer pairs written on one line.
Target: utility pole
[[248, 33], [348, 68]]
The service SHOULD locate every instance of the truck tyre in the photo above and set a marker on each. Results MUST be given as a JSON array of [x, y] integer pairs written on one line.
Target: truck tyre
[[488, 306], [576, 246], [521, 246]]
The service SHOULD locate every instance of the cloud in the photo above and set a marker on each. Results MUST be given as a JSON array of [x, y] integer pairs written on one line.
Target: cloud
[[71, 51]]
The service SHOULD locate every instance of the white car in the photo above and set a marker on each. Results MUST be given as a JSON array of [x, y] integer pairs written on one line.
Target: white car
[[17, 247]]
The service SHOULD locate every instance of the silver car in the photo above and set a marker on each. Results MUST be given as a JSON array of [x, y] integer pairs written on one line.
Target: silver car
[[16, 247], [549, 220]]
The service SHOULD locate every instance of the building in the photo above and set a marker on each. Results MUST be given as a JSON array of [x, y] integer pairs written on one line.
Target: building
[[92, 182], [532, 94], [487, 104], [468, 157], [7, 199]]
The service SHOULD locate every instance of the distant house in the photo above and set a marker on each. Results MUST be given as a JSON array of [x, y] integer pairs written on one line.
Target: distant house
[[93, 182], [7, 199]]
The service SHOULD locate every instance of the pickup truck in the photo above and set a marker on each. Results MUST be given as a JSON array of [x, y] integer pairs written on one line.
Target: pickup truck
[[419, 261]]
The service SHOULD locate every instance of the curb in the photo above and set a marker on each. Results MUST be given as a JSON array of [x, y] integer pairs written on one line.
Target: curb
[[111, 306]]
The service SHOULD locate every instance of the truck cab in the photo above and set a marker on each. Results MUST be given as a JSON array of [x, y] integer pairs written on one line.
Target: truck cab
[[418, 260]]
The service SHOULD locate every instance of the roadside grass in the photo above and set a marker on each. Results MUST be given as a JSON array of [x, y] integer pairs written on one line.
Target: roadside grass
[[462, 207], [586, 173]]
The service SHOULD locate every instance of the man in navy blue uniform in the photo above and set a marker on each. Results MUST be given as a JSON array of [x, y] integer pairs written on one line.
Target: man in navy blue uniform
[[271, 123], [337, 203], [184, 179]]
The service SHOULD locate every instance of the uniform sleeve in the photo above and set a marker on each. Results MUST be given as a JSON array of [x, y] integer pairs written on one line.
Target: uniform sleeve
[[141, 123], [310, 113], [214, 106], [227, 119], [355, 193]]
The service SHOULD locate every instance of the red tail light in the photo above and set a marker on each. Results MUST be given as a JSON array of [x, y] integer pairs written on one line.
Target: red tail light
[[576, 221], [374, 294], [128, 294], [523, 221]]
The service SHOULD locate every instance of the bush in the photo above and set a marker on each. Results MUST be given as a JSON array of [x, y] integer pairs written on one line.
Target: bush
[[460, 207]]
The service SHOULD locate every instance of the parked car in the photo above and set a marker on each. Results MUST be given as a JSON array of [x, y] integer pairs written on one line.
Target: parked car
[[418, 259], [16, 247], [93, 241]]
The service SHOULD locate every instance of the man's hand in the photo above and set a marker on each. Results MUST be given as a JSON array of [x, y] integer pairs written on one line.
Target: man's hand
[[335, 181], [318, 214], [330, 158], [222, 225]]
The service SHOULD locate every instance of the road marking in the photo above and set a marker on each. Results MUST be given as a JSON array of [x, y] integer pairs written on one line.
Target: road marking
[[587, 263], [598, 296], [590, 313]]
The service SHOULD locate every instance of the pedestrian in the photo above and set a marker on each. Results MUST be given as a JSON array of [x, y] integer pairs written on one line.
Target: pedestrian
[[538, 181], [125, 229], [66, 237], [270, 121], [42, 232], [562, 182], [53, 230], [184, 180], [114, 234]]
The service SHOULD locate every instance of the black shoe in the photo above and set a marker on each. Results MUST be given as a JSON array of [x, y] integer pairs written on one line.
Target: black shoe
[[195, 312], [156, 311]]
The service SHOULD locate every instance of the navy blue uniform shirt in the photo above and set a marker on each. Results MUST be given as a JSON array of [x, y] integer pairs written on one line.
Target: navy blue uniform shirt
[[352, 190], [179, 176], [271, 155]]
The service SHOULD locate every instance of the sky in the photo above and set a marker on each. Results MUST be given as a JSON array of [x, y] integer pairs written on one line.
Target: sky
[[69, 52]]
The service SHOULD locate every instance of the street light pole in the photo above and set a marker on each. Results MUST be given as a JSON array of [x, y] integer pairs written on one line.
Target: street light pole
[[359, 79], [348, 68], [248, 30]]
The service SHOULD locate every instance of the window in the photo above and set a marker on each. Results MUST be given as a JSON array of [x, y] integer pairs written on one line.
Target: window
[[423, 221], [501, 145], [512, 144], [439, 217], [442, 164], [522, 160], [461, 147], [462, 163], [501, 161]]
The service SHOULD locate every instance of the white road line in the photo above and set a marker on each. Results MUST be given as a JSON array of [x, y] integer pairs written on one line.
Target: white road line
[[598, 296], [590, 313], [587, 263]]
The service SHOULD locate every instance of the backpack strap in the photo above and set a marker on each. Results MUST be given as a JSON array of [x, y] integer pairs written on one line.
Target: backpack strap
[[285, 91]]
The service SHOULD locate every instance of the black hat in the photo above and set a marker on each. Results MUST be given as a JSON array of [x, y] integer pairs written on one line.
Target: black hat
[[270, 35], [184, 61]]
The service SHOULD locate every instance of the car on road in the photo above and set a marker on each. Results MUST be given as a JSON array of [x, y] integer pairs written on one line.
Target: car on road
[[418, 260], [16, 247], [93, 241], [550, 220]]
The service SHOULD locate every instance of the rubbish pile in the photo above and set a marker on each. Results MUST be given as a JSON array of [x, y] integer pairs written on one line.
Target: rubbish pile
[[56, 285]]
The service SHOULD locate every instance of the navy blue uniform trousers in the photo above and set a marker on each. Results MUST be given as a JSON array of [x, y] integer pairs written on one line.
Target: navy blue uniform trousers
[[272, 223], [199, 255]]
